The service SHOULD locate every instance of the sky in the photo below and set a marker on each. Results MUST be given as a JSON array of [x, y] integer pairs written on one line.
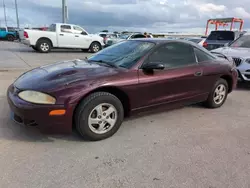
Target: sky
[[132, 15]]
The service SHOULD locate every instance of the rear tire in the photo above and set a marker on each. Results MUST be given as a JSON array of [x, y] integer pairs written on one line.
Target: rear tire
[[44, 46], [95, 47], [10, 38], [99, 116], [218, 95]]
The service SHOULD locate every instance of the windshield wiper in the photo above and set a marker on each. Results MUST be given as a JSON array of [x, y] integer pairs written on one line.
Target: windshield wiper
[[104, 62]]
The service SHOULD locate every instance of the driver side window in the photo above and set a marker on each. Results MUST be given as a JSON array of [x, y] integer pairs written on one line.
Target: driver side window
[[79, 30], [174, 55]]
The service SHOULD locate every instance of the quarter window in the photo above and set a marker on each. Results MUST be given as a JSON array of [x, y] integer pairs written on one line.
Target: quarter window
[[174, 55], [202, 56]]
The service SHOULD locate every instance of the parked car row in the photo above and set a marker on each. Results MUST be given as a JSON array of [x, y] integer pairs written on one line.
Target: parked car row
[[131, 76], [122, 37], [239, 51]]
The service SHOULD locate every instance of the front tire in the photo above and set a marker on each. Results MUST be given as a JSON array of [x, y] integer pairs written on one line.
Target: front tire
[[95, 47], [10, 38], [44, 46], [99, 116], [218, 95]]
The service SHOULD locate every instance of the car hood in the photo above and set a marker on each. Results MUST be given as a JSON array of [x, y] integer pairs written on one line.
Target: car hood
[[234, 51], [62, 74]]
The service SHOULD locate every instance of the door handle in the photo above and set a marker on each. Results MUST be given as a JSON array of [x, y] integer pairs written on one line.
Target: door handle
[[76, 35], [61, 34], [199, 73]]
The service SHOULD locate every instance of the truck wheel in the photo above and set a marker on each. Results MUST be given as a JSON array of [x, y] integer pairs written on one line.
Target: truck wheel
[[99, 116], [44, 46], [95, 47], [10, 38]]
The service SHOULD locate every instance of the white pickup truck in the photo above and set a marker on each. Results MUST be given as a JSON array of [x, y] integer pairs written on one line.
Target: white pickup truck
[[61, 35]]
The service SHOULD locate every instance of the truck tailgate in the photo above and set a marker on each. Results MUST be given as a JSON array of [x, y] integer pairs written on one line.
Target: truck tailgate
[[213, 44], [21, 34]]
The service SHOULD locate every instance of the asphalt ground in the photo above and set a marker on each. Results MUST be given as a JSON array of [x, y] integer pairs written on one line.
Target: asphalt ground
[[189, 147]]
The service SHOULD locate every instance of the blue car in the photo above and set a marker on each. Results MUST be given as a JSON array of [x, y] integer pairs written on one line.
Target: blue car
[[6, 34]]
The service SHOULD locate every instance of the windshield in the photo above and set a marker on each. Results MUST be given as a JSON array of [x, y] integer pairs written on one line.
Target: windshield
[[124, 36], [243, 42], [123, 54]]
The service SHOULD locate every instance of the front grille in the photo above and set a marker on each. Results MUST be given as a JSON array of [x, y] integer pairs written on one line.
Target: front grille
[[237, 61]]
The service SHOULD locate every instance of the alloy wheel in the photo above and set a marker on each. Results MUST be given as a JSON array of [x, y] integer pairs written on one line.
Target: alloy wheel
[[102, 118], [219, 94]]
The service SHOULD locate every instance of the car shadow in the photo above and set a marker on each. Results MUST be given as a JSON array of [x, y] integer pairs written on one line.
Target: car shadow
[[9, 130], [243, 86]]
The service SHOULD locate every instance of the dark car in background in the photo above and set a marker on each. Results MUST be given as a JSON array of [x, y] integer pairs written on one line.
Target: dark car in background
[[131, 76], [218, 39]]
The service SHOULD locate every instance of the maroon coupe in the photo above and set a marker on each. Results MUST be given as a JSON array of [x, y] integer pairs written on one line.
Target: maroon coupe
[[95, 94]]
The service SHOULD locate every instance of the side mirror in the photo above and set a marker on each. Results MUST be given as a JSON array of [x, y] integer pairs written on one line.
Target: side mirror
[[153, 66], [226, 45]]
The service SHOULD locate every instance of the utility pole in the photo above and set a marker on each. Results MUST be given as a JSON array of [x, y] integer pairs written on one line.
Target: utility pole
[[4, 9], [64, 11], [17, 17]]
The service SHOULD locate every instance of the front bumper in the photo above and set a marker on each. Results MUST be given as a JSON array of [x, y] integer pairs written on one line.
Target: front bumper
[[38, 115], [244, 71]]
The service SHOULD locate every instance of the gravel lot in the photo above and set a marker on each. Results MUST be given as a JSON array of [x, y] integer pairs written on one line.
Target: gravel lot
[[190, 147]]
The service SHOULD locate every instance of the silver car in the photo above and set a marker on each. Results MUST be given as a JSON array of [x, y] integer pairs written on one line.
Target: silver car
[[123, 37], [239, 50]]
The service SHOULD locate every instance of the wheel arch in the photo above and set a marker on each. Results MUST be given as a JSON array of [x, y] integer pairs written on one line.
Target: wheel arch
[[119, 93], [229, 80], [96, 42], [44, 38]]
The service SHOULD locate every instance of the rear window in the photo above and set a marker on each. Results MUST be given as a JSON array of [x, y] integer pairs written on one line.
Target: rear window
[[221, 35]]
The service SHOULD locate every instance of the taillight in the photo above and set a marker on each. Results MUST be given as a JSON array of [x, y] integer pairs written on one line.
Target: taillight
[[25, 34], [105, 40], [205, 44]]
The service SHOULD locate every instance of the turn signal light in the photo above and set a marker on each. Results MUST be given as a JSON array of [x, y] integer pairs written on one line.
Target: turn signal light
[[57, 112]]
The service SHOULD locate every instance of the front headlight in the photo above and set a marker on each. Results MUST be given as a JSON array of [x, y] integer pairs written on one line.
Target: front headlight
[[36, 97]]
